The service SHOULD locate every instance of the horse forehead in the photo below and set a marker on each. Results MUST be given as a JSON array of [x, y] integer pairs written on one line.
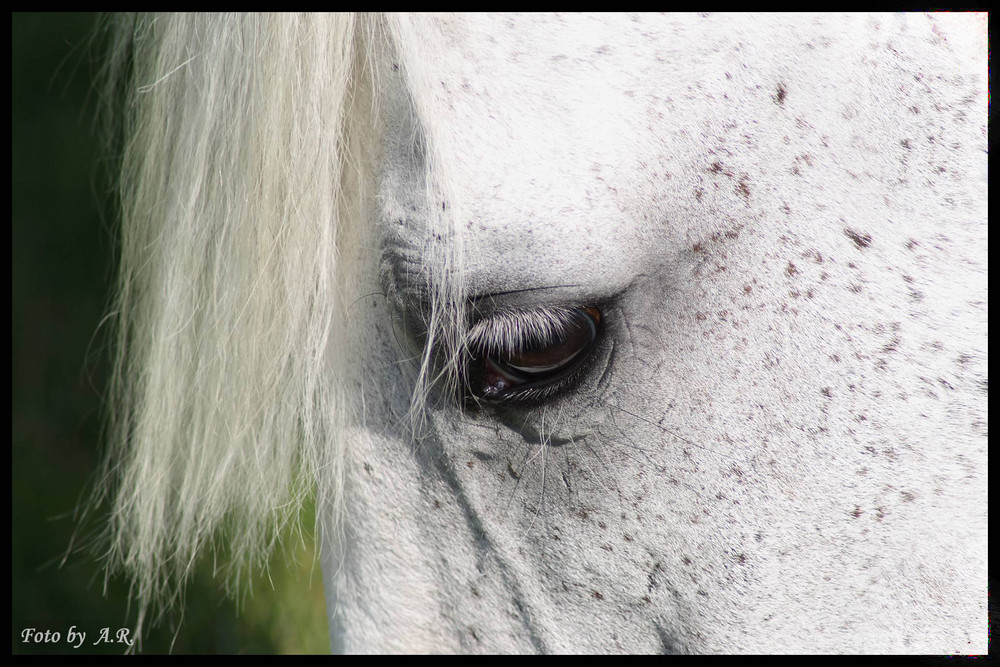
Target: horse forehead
[[553, 109], [578, 139], [555, 119]]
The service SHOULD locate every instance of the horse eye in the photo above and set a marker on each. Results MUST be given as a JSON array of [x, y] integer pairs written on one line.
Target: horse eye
[[536, 366]]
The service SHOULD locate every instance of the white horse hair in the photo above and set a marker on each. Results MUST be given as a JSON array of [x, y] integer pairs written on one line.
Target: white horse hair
[[229, 298], [777, 440]]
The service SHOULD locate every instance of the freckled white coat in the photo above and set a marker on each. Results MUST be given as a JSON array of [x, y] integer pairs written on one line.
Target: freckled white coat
[[779, 443], [784, 446]]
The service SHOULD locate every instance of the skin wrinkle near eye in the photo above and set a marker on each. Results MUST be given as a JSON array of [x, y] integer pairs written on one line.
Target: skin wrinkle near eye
[[576, 426]]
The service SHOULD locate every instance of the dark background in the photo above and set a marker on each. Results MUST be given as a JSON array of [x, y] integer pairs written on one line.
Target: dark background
[[62, 269]]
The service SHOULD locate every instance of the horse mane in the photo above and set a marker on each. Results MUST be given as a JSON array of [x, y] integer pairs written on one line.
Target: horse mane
[[243, 207]]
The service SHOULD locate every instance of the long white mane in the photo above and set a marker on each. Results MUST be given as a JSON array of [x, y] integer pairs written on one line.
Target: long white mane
[[238, 247]]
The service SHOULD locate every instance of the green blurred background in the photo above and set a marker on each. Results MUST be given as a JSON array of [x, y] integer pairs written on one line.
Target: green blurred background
[[62, 269]]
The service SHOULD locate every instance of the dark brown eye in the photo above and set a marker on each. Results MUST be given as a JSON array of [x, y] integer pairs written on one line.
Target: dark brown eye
[[538, 361]]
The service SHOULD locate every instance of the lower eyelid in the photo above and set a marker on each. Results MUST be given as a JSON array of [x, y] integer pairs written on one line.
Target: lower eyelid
[[544, 392]]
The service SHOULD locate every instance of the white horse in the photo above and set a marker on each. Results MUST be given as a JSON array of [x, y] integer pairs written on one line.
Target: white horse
[[591, 333]]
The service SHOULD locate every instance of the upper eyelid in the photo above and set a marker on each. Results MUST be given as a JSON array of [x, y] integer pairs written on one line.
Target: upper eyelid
[[497, 298], [485, 305]]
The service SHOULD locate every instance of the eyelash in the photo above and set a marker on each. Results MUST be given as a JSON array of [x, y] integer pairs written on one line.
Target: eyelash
[[531, 335]]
